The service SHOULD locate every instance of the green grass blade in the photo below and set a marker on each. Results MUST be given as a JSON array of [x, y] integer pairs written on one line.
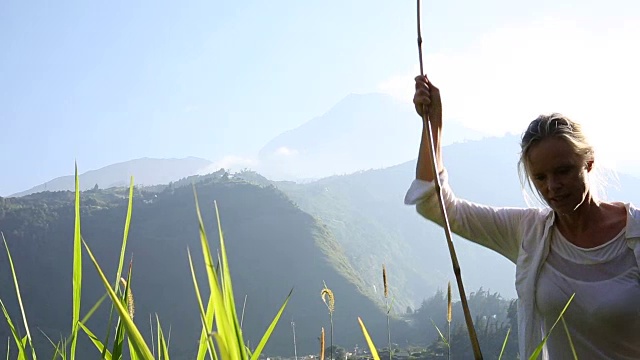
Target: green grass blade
[[444, 339], [125, 236], [118, 345], [223, 325], [372, 347], [121, 260], [209, 315], [267, 334], [153, 347], [119, 340], [93, 309], [8, 347], [228, 294], [107, 338], [566, 331], [15, 283], [226, 353], [77, 269], [56, 347], [132, 353], [86, 318], [205, 343], [21, 349], [538, 349], [163, 350], [139, 346], [94, 339], [504, 344], [158, 341]]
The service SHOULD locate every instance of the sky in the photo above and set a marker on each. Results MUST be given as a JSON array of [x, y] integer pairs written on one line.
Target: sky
[[105, 82]]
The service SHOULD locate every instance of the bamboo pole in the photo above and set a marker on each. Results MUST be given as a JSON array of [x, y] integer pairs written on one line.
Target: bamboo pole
[[447, 229]]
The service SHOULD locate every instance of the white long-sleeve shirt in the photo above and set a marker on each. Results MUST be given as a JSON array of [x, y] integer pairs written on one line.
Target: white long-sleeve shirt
[[522, 235]]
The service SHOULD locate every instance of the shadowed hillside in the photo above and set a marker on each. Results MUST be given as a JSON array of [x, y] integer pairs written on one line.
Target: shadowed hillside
[[266, 235]]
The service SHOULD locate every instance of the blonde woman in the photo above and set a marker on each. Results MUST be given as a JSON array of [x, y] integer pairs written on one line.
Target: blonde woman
[[576, 244]]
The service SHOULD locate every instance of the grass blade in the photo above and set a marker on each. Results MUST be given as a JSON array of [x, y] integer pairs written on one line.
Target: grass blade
[[123, 247], [372, 347], [125, 237], [163, 350], [15, 283], [504, 344], [444, 339], [94, 339], [77, 269], [538, 349], [573, 349], [93, 309], [140, 347], [21, 350], [223, 323], [206, 317], [127, 300], [56, 347], [119, 340], [228, 293], [267, 334]]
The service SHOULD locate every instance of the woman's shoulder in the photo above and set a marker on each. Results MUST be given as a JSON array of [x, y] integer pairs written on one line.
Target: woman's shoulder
[[633, 220]]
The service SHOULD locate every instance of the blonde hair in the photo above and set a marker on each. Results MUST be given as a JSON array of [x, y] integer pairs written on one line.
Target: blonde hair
[[560, 126]]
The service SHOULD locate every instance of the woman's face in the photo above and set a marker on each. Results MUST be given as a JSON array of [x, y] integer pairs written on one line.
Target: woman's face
[[559, 174]]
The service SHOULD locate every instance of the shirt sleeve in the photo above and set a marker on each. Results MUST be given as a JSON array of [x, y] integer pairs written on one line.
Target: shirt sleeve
[[497, 228]]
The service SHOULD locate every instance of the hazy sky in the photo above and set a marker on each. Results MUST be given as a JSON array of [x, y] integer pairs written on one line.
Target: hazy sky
[[104, 82]]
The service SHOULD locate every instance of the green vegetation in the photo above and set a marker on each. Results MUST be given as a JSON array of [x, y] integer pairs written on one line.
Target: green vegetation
[[260, 222], [269, 222], [229, 342]]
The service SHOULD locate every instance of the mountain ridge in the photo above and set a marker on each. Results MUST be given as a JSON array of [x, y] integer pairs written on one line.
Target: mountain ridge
[[148, 171]]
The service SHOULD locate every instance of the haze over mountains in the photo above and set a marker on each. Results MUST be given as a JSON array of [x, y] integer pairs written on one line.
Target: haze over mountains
[[339, 229], [363, 131], [371, 131]]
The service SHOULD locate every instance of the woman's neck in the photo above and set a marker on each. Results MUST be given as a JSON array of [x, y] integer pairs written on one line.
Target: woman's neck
[[582, 218]]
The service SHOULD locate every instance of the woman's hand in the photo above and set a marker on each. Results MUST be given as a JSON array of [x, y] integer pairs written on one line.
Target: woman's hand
[[427, 99], [427, 96]]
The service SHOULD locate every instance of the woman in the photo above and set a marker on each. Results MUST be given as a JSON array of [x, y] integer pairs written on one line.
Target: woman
[[578, 244]]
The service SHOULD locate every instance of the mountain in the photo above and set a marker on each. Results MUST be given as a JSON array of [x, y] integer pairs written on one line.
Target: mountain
[[367, 131], [280, 234], [267, 237], [147, 171], [361, 132], [365, 211]]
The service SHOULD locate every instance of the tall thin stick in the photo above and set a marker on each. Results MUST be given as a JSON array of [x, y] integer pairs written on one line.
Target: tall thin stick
[[449, 318], [295, 346], [386, 301], [454, 259]]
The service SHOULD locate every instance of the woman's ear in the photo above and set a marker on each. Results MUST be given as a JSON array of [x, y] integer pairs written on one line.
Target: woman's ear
[[589, 165]]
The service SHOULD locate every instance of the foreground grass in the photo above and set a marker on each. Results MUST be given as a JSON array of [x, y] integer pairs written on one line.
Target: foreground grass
[[221, 335]]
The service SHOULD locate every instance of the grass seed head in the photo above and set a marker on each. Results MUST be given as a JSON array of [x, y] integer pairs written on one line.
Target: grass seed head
[[384, 281], [328, 298], [449, 307], [130, 303]]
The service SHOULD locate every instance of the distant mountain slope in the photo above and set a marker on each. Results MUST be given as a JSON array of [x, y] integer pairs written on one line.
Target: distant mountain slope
[[273, 246], [365, 211], [361, 132], [147, 171]]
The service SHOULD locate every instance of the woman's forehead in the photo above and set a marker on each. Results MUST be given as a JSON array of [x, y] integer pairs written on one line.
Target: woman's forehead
[[553, 151]]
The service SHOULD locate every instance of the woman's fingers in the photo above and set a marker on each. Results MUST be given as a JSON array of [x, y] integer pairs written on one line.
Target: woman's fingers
[[422, 95]]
